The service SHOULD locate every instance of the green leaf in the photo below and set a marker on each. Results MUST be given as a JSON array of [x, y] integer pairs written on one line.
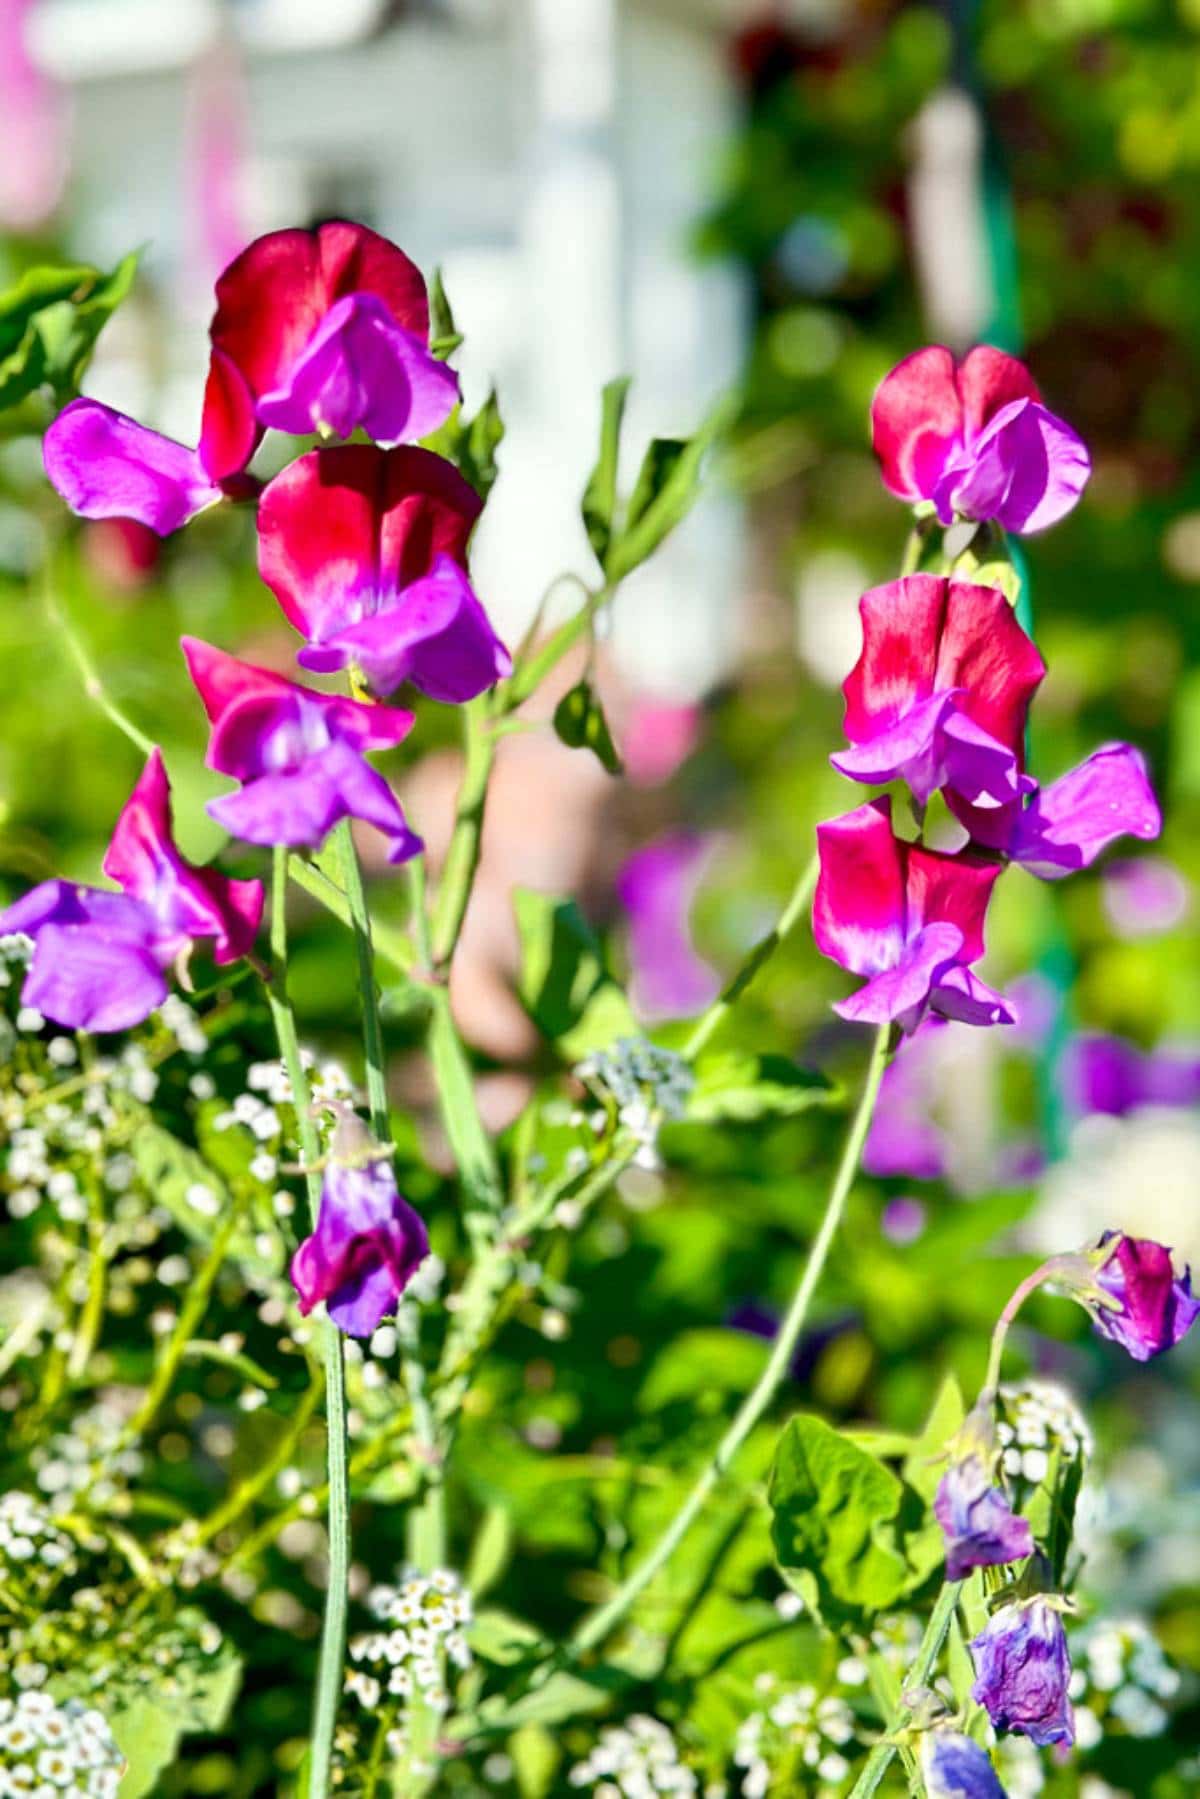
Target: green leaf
[[49, 323], [835, 1513], [563, 974], [491, 1550], [498, 1636], [171, 1170], [702, 1362], [600, 495], [735, 1086], [148, 1738], [472, 444], [665, 491], [925, 1463], [580, 723], [444, 335], [535, 1758], [559, 1697]]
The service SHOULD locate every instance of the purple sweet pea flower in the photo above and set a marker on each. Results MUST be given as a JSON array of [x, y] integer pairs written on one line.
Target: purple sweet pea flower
[[955, 1767], [657, 886], [1023, 1670], [367, 1245], [1145, 896], [298, 755], [980, 1527], [1149, 1308], [1107, 1074], [1065, 826], [100, 958]]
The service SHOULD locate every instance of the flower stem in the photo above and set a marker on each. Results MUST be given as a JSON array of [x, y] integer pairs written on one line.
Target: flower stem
[[879, 1760], [333, 1633], [711, 1021], [462, 858], [93, 686], [596, 1627]]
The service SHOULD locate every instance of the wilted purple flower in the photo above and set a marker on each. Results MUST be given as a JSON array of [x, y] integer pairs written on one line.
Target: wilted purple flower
[[1144, 896], [957, 1768], [980, 1527], [298, 754], [1153, 1308], [100, 959], [1023, 1669], [656, 886], [367, 1245]]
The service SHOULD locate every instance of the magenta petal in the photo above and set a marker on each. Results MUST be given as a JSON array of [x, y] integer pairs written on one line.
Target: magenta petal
[[1155, 1309], [361, 369], [299, 806], [1026, 470], [916, 422], [909, 750], [91, 979], [858, 907], [982, 771], [900, 994], [961, 995], [367, 1245], [1068, 824], [106, 465], [434, 633]]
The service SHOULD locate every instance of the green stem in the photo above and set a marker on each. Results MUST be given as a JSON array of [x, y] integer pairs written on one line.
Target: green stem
[[462, 858], [801, 899], [532, 670], [360, 924], [186, 1326], [91, 1318], [389, 943], [1029, 1285], [248, 1490], [880, 1758], [333, 1633], [595, 1628], [93, 686]]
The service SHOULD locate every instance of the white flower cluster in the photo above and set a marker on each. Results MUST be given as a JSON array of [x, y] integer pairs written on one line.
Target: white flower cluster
[[799, 1734], [634, 1760], [1038, 1417], [16, 953], [648, 1084], [426, 1616], [50, 1751], [267, 1088], [33, 1551], [91, 1454], [1121, 1677]]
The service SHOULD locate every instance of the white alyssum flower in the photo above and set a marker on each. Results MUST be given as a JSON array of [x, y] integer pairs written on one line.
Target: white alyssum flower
[[422, 1622], [634, 1760], [798, 1735], [48, 1748]]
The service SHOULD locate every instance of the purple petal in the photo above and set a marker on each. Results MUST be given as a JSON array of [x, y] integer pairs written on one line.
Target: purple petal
[[299, 806], [657, 887], [362, 370], [435, 633], [980, 770], [106, 465], [1067, 825], [1026, 469], [1023, 1672], [91, 979], [901, 993], [367, 1245], [955, 1767], [980, 1527], [961, 995], [908, 750], [1155, 1309]]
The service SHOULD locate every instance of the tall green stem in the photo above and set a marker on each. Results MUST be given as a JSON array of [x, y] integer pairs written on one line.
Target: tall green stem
[[711, 1021], [462, 858], [595, 1628], [332, 1656], [879, 1760]]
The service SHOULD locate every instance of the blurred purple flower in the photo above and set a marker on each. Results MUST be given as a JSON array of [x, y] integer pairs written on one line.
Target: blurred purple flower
[[367, 1245], [657, 886], [903, 1220], [1154, 1308], [1023, 1670], [33, 169], [957, 1768], [658, 738], [903, 1138], [980, 1527], [1145, 896], [1107, 1074]]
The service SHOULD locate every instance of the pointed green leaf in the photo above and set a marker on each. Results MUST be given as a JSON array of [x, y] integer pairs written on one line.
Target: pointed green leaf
[[667, 487], [600, 495], [579, 722], [835, 1511], [563, 974], [444, 335], [738, 1087]]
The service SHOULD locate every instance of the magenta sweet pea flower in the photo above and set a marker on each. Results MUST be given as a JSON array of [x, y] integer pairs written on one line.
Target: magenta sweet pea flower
[[980, 1527], [298, 754], [100, 958], [365, 550], [367, 1245], [657, 886], [940, 694], [955, 1767], [326, 331], [974, 440], [1142, 1304], [908, 918], [1023, 1670]]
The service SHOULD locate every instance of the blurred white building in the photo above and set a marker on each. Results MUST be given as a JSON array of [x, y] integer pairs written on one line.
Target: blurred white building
[[550, 155]]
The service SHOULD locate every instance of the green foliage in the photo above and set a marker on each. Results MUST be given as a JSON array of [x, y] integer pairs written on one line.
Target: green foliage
[[579, 722], [599, 502], [564, 981], [49, 323], [735, 1086], [472, 444]]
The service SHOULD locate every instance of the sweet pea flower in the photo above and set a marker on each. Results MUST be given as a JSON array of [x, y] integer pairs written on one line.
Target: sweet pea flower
[[940, 693], [1023, 1670], [298, 755], [908, 918], [1141, 1304], [973, 440], [368, 1241], [657, 886], [315, 331], [955, 1767], [100, 958], [980, 1527], [365, 550], [1107, 1074]]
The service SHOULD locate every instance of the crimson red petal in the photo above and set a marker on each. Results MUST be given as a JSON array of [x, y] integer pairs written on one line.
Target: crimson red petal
[[916, 419], [987, 380], [901, 625], [858, 907], [950, 890], [985, 652]]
